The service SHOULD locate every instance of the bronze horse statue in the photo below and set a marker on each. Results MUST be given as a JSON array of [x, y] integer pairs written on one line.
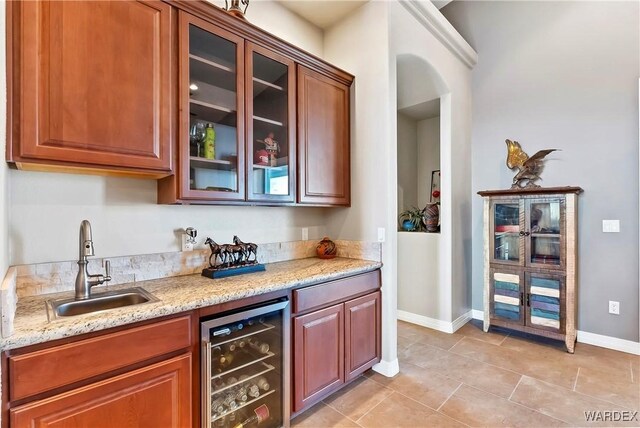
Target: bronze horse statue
[[236, 253], [249, 248], [217, 251]]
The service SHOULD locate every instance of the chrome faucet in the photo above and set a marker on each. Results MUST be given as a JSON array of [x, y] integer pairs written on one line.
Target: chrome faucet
[[84, 281]]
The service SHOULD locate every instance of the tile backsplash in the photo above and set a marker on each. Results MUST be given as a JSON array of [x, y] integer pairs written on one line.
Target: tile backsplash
[[45, 278]]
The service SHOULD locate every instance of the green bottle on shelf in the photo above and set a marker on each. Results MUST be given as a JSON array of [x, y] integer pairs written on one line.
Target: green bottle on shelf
[[210, 142]]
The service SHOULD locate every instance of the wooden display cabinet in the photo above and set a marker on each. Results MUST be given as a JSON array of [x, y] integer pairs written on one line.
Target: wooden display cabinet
[[530, 260]]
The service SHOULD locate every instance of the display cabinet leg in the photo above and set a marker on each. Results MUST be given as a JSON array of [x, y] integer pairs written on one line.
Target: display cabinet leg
[[485, 326], [571, 344]]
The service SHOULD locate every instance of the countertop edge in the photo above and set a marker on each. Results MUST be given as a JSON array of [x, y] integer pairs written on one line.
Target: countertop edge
[[61, 329]]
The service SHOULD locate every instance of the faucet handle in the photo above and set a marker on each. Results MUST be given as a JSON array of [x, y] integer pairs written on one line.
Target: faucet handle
[[107, 270]]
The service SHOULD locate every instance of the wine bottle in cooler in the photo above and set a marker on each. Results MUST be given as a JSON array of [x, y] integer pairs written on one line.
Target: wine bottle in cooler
[[241, 394], [253, 391], [259, 346], [217, 406], [260, 414], [263, 383]]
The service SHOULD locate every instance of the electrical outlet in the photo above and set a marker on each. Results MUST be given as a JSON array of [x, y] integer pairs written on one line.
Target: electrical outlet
[[611, 226], [187, 245], [614, 307], [305, 233], [381, 234]]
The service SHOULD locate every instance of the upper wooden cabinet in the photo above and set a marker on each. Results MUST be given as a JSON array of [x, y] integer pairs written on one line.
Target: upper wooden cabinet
[[323, 129], [90, 86]]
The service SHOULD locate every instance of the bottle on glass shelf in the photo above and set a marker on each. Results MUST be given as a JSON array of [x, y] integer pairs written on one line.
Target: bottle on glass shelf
[[230, 402], [260, 414], [253, 391], [217, 406], [231, 380], [259, 346], [220, 423], [241, 394], [263, 384], [242, 343]]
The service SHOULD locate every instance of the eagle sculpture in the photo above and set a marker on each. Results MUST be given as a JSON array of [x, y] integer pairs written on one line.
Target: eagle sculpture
[[529, 168]]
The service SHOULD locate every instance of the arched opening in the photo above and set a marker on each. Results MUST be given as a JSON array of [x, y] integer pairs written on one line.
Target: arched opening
[[424, 294]]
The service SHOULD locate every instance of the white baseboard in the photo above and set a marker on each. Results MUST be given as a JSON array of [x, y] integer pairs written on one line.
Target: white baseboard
[[387, 368], [477, 315], [615, 343], [600, 340], [436, 324]]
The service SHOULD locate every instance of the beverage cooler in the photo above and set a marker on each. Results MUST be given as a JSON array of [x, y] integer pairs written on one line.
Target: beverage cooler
[[245, 368]]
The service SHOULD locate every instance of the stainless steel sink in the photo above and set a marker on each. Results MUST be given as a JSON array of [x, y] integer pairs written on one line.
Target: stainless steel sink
[[98, 302]]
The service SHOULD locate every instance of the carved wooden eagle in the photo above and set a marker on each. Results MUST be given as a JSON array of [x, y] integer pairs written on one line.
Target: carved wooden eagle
[[529, 168]]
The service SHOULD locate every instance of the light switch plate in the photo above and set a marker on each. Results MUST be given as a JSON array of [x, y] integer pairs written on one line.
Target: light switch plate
[[305, 233], [381, 234], [611, 226]]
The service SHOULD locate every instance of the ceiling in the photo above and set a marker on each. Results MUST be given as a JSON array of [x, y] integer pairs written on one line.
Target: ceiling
[[324, 13]]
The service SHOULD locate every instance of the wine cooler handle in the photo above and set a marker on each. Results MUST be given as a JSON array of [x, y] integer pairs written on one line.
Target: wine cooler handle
[[206, 417]]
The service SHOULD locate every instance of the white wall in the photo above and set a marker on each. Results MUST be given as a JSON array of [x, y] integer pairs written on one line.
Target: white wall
[[359, 44], [45, 209], [419, 290], [409, 39], [564, 75], [428, 156], [407, 163]]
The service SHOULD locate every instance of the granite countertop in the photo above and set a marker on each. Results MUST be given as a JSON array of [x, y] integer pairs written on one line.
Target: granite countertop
[[175, 294]]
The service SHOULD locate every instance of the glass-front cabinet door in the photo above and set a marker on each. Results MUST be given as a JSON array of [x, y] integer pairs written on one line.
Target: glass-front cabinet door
[[545, 232], [212, 104], [545, 301], [270, 102], [506, 232]]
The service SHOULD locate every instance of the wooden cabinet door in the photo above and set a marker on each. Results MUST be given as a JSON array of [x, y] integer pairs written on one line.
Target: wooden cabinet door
[[92, 84], [506, 232], [318, 357], [362, 334], [155, 396], [323, 140], [506, 296], [546, 301], [211, 94], [271, 125]]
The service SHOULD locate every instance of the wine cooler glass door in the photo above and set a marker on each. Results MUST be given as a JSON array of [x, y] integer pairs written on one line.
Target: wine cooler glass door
[[245, 368]]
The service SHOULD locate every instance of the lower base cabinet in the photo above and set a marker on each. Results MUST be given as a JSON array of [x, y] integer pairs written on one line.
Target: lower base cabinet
[[334, 345], [158, 395]]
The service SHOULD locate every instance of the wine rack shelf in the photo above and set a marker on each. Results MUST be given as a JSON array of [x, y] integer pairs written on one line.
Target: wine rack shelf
[[250, 331], [245, 404], [250, 363], [267, 368]]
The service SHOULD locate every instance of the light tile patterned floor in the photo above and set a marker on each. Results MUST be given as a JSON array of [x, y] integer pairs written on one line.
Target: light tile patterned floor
[[472, 378]]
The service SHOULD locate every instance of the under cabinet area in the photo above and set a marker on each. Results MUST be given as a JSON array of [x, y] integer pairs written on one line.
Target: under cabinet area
[[80, 98], [336, 335]]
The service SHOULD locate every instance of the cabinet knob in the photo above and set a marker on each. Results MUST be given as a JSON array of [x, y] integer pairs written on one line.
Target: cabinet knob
[[521, 233], [527, 234]]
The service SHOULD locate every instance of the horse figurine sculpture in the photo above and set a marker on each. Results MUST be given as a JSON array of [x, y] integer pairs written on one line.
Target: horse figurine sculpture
[[236, 253], [217, 251], [249, 248]]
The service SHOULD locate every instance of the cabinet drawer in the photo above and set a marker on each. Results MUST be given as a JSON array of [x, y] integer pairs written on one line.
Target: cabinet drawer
[[44, 370], [325, 294]]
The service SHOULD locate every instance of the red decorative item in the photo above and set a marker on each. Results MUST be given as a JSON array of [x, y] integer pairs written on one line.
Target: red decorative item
[[326, 249], [261, 157], [436, 194]]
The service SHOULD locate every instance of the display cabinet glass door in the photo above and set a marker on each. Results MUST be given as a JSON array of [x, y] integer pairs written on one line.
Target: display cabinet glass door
[[506, 299], [212, 99], [506, 232], [270, 87], [545, 300], [545, 232]]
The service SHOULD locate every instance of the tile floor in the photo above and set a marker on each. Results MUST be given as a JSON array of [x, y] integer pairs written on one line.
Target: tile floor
[[472, 378]]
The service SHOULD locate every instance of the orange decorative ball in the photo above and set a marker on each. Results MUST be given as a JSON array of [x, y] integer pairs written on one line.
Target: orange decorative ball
[[326, 248]]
